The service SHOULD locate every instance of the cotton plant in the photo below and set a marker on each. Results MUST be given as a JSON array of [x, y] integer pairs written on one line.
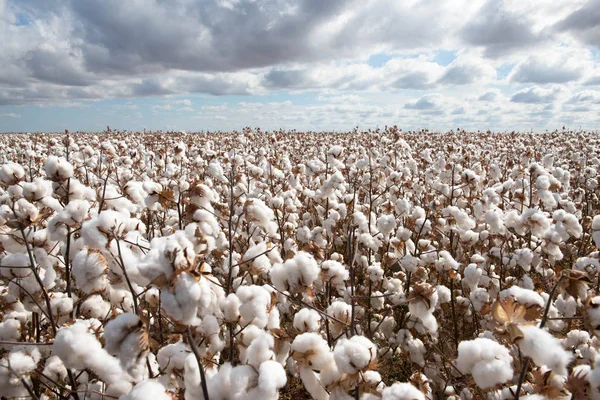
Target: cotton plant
[[248, 264]]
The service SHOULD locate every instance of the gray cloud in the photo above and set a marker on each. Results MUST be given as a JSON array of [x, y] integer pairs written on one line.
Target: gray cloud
[[427, 102], [543, 70], [535, 95], [584, 23], [498, 31], [488, 96]]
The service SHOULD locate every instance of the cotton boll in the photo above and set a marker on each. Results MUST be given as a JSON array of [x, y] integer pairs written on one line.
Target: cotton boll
[[472, 276], [11, 173], [341, 311], [25, 211], [183, 301], [354, 354], [126, 337], [334, 272], [523, 296], [271, 378], [307, 320], [58, 169], [90, 271], [230, 306], [446, 262], [60, 304], [18, 260], [402, 391], [148, 389], [263, 216], [259, 263], [311, 349], [95, 306], [488, 361], [78, 348], [596, 230], [479, 297], [55, 369], [10, 329], [255, 301], [375, 272], [23, 360], [259, 350], [296, 274], [386, 224], [544, 349], [173, 356]]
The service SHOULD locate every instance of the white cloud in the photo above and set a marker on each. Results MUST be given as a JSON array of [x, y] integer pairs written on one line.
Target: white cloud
[[10, 115]]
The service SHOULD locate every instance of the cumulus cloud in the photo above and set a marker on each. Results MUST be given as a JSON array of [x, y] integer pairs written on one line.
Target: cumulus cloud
[[499, 31], [536, 95], [67, 53], [554, 65], [466, 70], [488, 96], [584, 23], [427, 102]]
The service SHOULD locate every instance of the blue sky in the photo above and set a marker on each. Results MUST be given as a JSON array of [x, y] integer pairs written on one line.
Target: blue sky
[[299, 64]]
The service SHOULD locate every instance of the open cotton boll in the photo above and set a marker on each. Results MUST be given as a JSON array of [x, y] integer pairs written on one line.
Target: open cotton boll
[[23, 360], [217, 385], [25, 211], [311, 350], [126, 337], [488, 361], [55, 369], [596, 230], [296, 274], [402, 391], [98, 231], [61, 304], [11, 173], [386, 224], [10, 329], [257, 263], [479, 297], [524, 296], [78, 348], [182, 302], [259, 350], [354, 354], [230, 306], [173, 356], [95, 306], [375, 272], [58, 169], [307, 320], [90, 271], [271, 378], [148, 389], [18, 260], [255, 301], [334, 272], [544, 349], [263, 216], [341, 311]]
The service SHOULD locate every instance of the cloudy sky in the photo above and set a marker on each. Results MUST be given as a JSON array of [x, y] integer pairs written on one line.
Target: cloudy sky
[[303, 64]]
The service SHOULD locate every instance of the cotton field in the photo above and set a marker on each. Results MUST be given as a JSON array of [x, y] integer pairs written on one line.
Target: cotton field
[[262, 265]]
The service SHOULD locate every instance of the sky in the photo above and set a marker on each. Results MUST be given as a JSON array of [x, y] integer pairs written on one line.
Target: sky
[[323, 65]]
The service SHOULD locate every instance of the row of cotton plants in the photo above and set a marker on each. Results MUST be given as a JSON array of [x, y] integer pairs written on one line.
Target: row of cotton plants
[[261, 265]]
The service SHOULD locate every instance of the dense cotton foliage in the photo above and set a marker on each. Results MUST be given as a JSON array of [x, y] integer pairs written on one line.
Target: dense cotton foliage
[[252, 265]]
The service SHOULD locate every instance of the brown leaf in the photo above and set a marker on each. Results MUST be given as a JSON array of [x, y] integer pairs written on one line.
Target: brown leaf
[[578, 385]]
